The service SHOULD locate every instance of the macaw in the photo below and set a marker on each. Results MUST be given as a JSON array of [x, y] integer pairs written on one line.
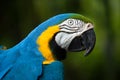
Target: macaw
[[39, 55]]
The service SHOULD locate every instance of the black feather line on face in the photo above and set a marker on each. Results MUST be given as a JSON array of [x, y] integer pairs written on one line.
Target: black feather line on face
[[58, 52]]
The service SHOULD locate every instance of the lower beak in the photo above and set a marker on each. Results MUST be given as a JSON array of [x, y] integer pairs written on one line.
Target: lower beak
[[84, 42]]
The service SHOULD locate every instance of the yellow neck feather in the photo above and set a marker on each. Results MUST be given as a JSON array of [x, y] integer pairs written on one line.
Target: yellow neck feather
[[43, 43]]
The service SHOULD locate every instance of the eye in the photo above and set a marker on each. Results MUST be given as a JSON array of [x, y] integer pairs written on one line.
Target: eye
[[70, 22]]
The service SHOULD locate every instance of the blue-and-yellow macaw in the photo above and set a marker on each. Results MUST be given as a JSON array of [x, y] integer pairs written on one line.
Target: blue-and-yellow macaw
[[39, 55]]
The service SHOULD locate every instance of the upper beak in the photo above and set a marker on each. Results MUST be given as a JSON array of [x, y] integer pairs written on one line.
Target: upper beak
[[86, 42]]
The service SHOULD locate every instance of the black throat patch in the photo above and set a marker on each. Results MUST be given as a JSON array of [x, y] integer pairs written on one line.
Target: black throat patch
[[58, 52]]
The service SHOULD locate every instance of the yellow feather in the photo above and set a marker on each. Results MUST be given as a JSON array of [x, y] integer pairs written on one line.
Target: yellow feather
[[43, 42]]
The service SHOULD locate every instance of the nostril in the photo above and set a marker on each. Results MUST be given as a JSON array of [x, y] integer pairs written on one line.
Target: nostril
[[89, 24]]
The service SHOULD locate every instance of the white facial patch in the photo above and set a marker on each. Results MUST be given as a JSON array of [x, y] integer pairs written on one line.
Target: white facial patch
[[64, 39], [69, 29]]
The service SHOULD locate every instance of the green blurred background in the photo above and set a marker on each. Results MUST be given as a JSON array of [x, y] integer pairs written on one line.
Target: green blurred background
[[19, 17]]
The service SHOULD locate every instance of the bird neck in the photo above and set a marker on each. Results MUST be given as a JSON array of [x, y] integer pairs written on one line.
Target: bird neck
[[43, 43], [58, 52]]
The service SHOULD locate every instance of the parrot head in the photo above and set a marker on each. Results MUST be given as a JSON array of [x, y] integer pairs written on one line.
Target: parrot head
[[68, 33]]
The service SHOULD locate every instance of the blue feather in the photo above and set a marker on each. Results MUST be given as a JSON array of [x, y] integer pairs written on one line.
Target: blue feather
[[24, 61], [53, 71]]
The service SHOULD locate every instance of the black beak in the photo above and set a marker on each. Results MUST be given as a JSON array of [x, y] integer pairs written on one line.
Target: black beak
[[84, 42]]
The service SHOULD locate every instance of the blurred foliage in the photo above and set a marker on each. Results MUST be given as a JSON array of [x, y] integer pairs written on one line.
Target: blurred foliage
[[19, 17]]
